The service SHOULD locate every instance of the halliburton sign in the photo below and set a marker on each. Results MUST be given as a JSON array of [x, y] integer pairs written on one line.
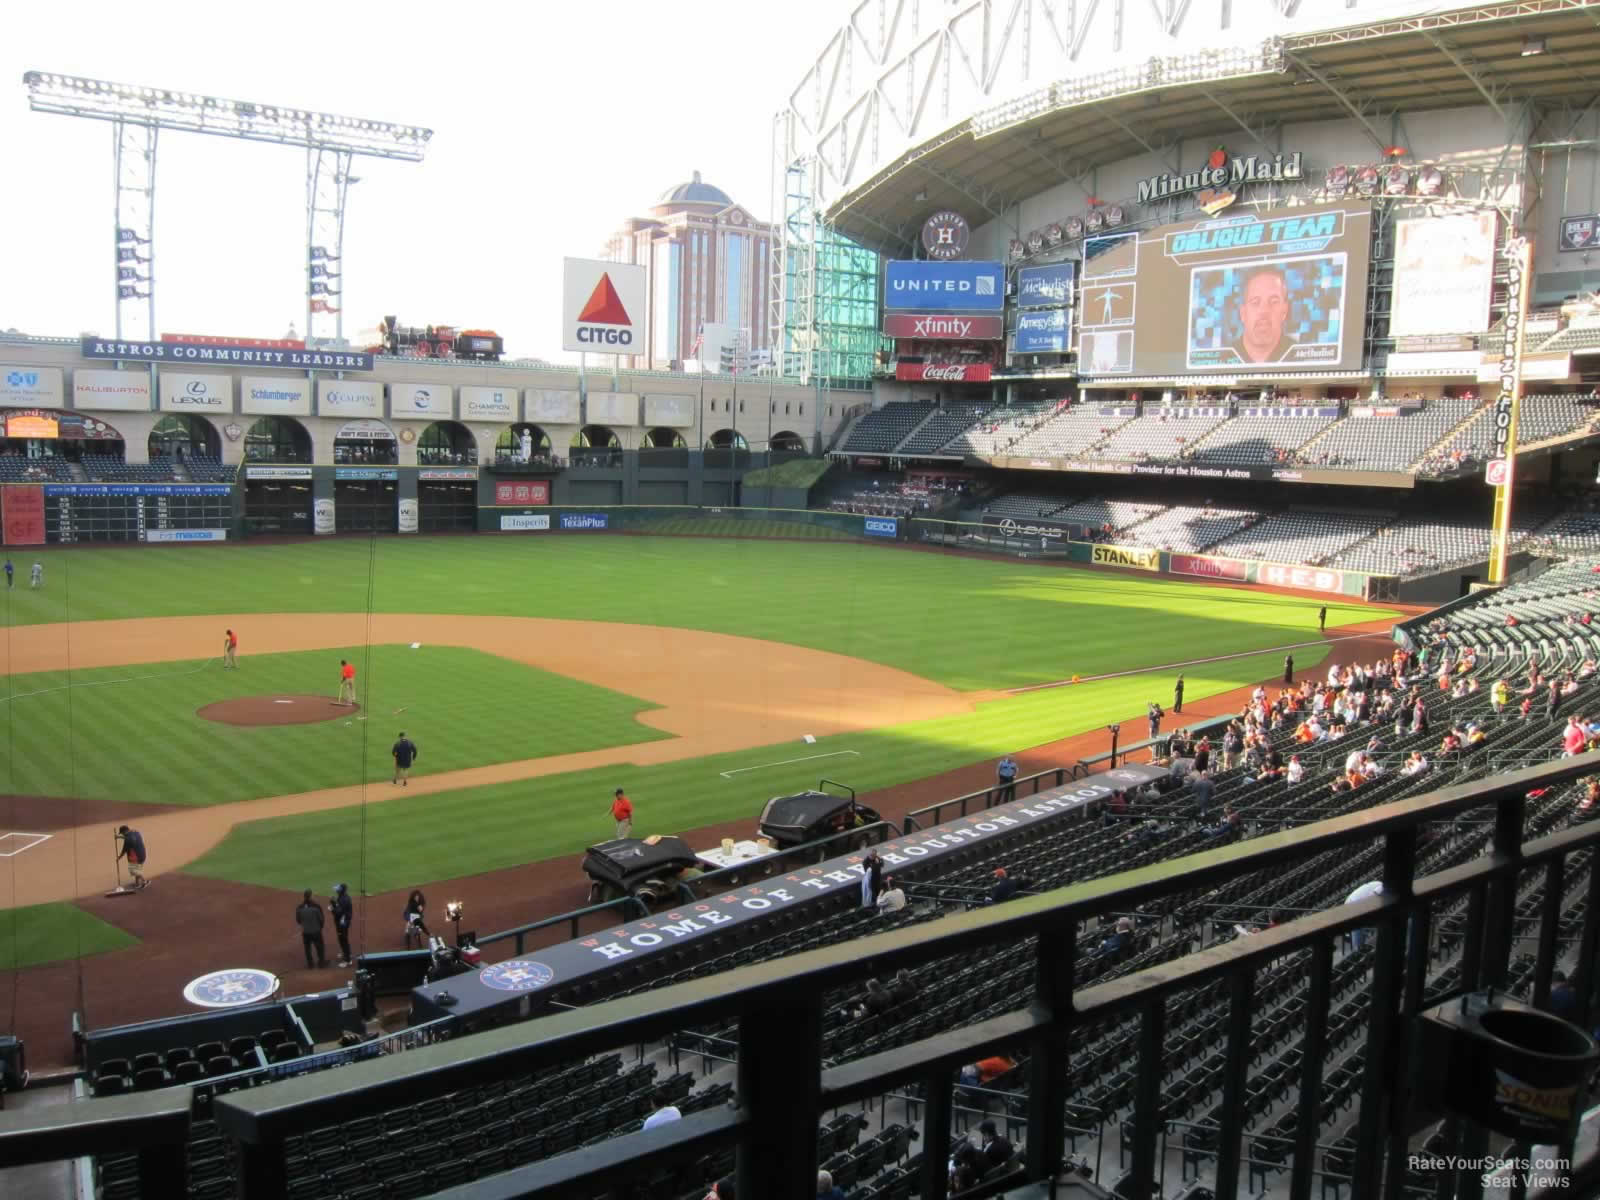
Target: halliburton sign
[[931, 327], [939, 372]]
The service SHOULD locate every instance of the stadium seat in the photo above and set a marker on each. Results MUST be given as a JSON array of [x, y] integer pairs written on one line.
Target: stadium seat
[[150, 1078]]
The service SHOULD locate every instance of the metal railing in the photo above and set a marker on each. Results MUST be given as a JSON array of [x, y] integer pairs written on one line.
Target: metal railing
[[625, 907], [777, 1008], [1000, 793]]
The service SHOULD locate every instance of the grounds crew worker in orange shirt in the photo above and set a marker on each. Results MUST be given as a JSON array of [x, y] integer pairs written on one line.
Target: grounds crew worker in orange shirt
[[230, 649], [347, 683], [622, 813]]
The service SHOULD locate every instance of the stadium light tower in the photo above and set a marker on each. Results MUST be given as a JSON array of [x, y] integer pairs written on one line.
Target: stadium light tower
[[138, 115]]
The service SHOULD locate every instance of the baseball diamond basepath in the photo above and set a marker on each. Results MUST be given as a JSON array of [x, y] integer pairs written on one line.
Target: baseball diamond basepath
[[710, 694]]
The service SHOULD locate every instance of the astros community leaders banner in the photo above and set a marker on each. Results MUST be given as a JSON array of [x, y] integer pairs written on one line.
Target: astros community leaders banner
[[226, 353], [1270, 291], [602, 307]]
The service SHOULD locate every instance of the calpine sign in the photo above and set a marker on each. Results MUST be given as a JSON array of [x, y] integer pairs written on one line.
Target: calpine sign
[[931, 327], [1221, 171], [231, 354]]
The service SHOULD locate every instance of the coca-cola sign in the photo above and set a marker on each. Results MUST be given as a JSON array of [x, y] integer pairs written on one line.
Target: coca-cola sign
[[939, 372], [931, 327]]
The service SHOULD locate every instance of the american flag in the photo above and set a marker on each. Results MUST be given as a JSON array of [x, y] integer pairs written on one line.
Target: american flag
[[699, 340]]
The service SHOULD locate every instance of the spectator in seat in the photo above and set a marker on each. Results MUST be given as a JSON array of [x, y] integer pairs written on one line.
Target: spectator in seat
[[997, 1151], [1574, 739], [1201, 788], [1563, 997], [877, 1001], [1591, 795], [1230, 825], [986, 1070], [966, 1167], [893, 898], [664, 1115], [903, 988], [826, 1189], [1004, 887], [1296, 770], [1118, 939]]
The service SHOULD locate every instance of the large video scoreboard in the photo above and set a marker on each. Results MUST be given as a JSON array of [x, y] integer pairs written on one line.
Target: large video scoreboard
[[1234, 293]]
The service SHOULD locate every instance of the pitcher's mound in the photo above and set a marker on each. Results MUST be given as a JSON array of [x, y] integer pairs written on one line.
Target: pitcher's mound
[[276, 710]]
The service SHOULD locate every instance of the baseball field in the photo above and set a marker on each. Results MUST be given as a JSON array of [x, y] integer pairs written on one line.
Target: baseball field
[[535, 675]]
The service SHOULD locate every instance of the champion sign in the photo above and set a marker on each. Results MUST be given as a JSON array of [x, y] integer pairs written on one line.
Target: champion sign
[[883, 526], [602, 307], [584, 520]]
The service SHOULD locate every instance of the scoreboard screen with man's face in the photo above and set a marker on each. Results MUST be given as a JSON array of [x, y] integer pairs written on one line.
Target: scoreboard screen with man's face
[[1241, 292]]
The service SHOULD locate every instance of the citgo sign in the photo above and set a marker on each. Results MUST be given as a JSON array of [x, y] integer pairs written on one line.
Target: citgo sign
[[602, 307]]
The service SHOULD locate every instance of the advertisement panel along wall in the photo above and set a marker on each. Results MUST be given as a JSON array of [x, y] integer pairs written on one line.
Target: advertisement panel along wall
[[550, 407], [672, 412], [349, 398], [957, 286], [1045, 287], [30, 387], [111, 391], [613, 408], [426, 401], [1043, 331], [22, 514], [1443, 273], [1248, 291], [535, 491], [947, 327], [499, 405], [196, 393], [1139, 557], [275, 397], [602, 307]]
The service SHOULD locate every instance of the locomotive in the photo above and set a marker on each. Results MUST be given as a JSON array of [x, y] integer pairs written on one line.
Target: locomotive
[[437, 341]]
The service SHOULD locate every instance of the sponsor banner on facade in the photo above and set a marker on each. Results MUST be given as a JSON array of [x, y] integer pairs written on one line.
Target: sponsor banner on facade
[[366, 474], [524, 521], [30, 387], [613, 408], [1209, 568], [551, 407], [196, 393], [944, 327], [1011, 527], [138, 489], [1138, 557], [1043, 287], [111, 391], [1311, 579], [408, 516], [1434, 362], [440, 473], [584, 520], [426, 401], [882, 527], [1045, 331], [602, 307], [349, 398], [185, 535], [275, 397], [1387, 479], [277, 473], [22, 514], [669, 412], [211, 339], [322, 517], [1547, 367], [1443, 274], [495, 404], [364, 431], [534, 491], [943, 373], [956, 286], [229, 354]]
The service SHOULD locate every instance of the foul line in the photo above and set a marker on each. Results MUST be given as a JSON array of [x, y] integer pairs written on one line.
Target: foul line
[[37, 838], [786, 762], [107, 682], [1193, 662]]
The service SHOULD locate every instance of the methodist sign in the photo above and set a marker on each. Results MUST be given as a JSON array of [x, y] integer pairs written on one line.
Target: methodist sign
[[227, 353]]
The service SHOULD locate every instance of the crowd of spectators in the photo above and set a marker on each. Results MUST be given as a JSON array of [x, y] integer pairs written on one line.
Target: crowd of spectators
[[903, 498]]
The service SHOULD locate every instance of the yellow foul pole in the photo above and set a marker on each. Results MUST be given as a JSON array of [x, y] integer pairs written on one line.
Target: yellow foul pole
[[1503, 460]]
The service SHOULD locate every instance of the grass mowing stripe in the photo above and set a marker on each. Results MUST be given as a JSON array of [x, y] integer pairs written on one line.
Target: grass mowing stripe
[[415, 841], [45, 933]]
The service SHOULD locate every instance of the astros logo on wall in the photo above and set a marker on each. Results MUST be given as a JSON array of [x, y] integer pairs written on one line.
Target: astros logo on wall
[[516, 975]]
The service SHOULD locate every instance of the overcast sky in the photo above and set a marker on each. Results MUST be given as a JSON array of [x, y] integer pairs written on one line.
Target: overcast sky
[[552, 122]]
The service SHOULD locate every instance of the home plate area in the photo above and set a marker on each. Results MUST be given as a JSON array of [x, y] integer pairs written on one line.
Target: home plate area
[[277, 710]]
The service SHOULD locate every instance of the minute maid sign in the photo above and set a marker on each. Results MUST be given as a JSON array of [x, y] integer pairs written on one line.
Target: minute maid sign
[[1221, 171]]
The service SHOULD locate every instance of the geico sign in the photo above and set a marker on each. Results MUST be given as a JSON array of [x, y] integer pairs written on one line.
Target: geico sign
[[605, 335]]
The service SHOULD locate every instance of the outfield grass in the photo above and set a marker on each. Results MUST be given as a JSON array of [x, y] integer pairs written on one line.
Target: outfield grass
[[45, 933], [131, 733], [965, 622], [413, 842]]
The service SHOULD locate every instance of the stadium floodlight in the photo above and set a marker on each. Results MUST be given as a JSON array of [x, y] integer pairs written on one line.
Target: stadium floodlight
[[138, 114], [1534, 44]]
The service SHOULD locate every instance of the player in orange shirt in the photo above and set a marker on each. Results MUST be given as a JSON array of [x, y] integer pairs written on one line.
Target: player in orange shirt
[[230, 649], [347, 683]]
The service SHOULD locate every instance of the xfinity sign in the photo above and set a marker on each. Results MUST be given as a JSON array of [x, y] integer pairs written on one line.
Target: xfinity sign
[[602, 307]]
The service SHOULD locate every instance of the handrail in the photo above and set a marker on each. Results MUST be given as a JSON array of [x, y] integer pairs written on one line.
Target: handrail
[[777, 1006], [990, 797], [628, 906]]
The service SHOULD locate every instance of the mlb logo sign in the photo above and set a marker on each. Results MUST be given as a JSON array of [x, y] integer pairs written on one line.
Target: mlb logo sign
[[1579, 233]]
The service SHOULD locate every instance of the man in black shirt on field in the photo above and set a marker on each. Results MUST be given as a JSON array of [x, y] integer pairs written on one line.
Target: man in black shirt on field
[[405, 753], [309, 917]]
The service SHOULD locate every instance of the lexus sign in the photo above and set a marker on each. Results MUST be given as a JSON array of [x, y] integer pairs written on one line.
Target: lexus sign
[[943, 327]]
